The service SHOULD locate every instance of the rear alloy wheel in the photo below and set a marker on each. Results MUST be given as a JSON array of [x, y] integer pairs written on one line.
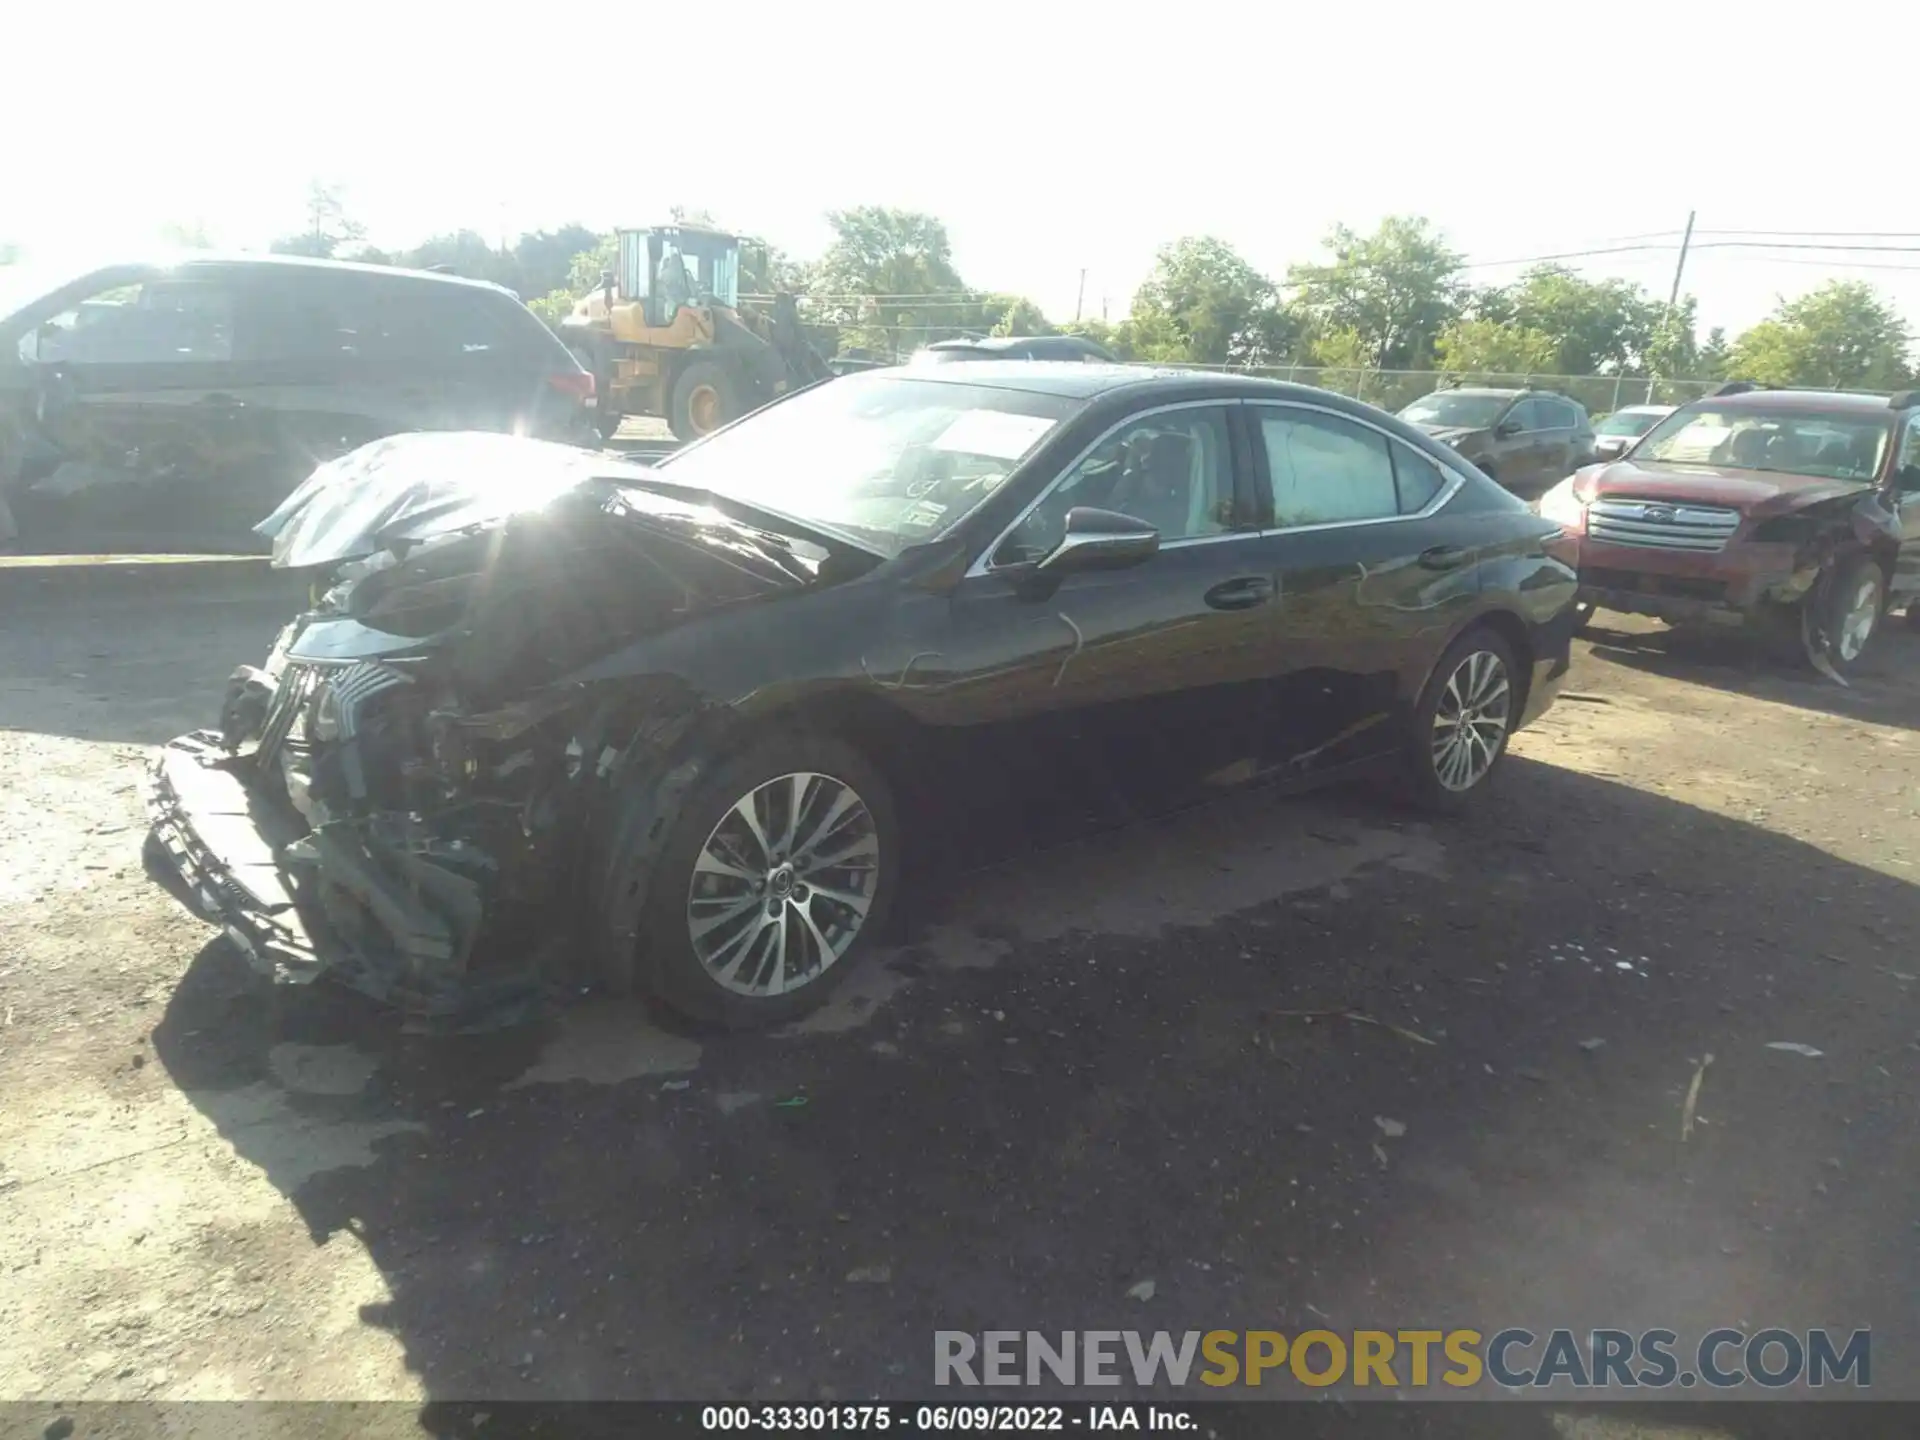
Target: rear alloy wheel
[[1463, 722], [1837, 623], [780, 868]]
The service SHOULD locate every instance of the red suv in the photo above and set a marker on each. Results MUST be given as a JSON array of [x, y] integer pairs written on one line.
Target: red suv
[[1791, 508]]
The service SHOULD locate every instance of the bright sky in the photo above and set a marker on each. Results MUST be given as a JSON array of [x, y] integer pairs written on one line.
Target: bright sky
[[1051, 137]]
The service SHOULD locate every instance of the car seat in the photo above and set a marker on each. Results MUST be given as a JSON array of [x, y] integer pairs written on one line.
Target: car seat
[[1160, 490]]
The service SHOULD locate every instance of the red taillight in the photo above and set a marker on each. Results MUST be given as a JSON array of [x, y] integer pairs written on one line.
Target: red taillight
[[578, 383]]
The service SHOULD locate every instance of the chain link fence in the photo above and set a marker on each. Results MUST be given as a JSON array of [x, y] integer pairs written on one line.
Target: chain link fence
[[1391, 389]]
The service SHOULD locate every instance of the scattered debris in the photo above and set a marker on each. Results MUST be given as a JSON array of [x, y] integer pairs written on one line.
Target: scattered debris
[[1392, 1129], [1355, 1016], [1796, 1048], [677, 1085], [1693, 1096], [1142, 1291], [1380, 1154], [871, 1275], [1538, 1077], [1592, 1045], [792, 1102]]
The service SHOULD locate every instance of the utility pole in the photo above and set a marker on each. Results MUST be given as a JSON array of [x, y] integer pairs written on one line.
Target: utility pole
[[1080, 298], [1673, 295]]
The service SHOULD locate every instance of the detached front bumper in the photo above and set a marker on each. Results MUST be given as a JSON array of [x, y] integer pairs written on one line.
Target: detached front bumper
[[1732, 587], [385, 919]]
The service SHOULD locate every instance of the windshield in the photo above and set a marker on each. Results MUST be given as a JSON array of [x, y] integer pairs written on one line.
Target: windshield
[[1451, 409], [886, 461], [1786, 442], [1628, 422]]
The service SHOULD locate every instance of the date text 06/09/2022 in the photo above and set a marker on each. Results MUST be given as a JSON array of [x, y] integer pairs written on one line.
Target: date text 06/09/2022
[[931, 1419]]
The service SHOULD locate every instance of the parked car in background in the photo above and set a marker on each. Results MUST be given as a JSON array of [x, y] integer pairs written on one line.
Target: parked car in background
[[1614, 436], [154, 407], [1015, 347], [1525, 439], [703, 710], [1791, 509]]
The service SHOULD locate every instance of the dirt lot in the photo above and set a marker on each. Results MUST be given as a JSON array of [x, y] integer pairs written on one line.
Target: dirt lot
[[1077, 1078]]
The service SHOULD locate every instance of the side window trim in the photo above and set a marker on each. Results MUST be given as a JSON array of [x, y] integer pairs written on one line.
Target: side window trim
[[1452, 479], [983, 562]]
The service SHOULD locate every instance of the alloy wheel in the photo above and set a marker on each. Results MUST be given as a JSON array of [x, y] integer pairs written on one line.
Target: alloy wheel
[[1471, 721], [1859, 618], [783, 884]]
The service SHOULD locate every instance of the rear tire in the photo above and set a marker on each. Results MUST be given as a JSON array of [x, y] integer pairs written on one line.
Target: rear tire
[[704, 398], [1462, 723], [785, 921]]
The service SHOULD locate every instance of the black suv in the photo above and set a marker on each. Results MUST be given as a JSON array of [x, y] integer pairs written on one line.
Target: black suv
[[1528, 440], [171, 407]]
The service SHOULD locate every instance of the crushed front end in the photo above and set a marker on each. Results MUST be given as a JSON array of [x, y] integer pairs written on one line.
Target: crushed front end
[[403, 794], [350, 817]]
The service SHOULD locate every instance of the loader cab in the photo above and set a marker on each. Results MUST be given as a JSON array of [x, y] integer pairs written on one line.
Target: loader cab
[[670, 266]]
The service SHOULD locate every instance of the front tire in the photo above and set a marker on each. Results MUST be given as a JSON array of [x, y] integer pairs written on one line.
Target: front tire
[[1463, 721], [704, 399], [778, 872], [1839, 619]]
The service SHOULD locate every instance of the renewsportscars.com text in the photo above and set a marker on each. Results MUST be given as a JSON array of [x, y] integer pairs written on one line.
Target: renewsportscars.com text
[[1405, 1359]]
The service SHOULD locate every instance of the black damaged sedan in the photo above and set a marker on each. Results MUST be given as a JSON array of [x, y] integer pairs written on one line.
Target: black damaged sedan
[[559, 718]]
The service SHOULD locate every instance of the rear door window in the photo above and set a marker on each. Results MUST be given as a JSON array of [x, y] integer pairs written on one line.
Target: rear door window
[[169, 320], [384, 323]]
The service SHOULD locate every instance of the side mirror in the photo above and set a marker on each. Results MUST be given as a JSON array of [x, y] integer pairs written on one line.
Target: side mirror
[[1100, 540], [1609, 447], [1507, 428]]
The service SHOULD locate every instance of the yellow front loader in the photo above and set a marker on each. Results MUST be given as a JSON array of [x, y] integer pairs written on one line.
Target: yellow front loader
[[665, 335]]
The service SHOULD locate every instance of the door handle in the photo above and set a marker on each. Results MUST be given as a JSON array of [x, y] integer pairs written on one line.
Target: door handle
[[1445, 557], [1242, 593]]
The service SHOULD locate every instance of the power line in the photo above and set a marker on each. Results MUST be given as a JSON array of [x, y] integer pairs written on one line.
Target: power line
[[1697, 245], [1839, 234]]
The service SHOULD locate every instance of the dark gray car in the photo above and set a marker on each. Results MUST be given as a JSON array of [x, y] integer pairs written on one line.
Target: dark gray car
[[156, 407], [1528, 440]]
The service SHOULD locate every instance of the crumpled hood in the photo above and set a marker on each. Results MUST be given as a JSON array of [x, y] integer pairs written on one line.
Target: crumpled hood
[[1742, 490], [407, 488]]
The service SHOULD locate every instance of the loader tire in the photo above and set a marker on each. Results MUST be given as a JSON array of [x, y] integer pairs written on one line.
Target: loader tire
[[704, 399]]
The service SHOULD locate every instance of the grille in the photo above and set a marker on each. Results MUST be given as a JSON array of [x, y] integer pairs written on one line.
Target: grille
[[352, 687], [1657, 525]]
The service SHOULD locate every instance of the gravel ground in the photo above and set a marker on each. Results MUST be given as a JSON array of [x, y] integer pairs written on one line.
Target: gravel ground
[[1087, 1071]]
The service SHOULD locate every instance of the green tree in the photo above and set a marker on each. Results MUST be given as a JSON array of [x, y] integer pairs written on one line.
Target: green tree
[[888, 280], [328, 225], [1673, 347], [1714, 356], [185, 235], [1486, 347], [1596, 327], [1204, 304], [1397, 289], [1842, 335]]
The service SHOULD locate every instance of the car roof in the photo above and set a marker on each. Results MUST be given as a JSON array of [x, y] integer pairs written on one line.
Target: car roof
[[1825, 402], [1646, 409], [1081, 380], [209, 259]]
